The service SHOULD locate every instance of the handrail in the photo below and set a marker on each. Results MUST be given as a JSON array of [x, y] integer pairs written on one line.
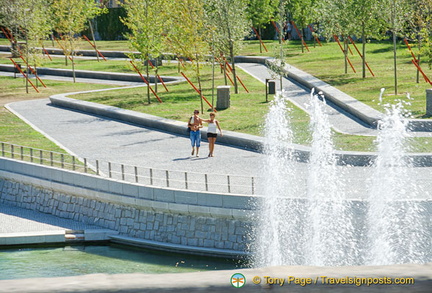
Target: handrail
[[221, 183]]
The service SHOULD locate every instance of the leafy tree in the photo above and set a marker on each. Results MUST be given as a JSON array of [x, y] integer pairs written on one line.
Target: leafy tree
[[277, 66], [420, 28], [396, 15], [366, 23], [146, 20], [300, 12], [229, 18], [335, 20], [70, 17], [29, 20], [188, 34], [260, 13]]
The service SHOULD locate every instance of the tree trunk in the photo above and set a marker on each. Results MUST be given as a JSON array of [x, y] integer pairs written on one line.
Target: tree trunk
[[233, 68], [156, 78], [259, 33], [199, 84], [178, 64], [302, 41], [72, 55], [346, 56], [73, 67], [363, 52], [94, 40], [223, 68], [148, 80], [418, 58], [213, 76], [395, 62]]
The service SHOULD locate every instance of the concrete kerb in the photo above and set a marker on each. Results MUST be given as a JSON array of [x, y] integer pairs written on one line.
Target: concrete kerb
[[351, 105], [356, 108], [219, 281], [100, 188], [114, 76], [241, 140]]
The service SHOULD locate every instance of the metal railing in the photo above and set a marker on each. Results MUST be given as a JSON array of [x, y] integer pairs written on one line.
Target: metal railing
[[136, 174]]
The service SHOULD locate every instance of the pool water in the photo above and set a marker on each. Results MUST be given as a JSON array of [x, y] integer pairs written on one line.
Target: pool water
[[109, 259]]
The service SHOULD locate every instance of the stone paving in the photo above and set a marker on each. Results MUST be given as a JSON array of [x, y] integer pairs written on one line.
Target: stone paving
[[90, 136], [313, 278], [340, 120]]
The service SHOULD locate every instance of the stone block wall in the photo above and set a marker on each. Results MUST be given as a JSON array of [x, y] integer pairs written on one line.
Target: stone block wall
[[165, 222]]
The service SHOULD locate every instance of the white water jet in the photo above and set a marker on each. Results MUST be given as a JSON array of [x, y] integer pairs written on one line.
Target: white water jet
[[279, 215], [308, 218], [398, 225], [330, 234]]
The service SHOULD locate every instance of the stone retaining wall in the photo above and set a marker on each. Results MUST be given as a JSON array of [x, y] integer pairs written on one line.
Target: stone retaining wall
[[181, 218]]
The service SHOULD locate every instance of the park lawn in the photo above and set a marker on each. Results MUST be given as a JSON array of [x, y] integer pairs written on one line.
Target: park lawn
[[246, 114], [15, 131], [248, 110], [326, 62]]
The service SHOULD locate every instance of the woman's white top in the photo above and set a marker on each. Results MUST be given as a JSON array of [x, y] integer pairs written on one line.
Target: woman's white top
[[212, 127]]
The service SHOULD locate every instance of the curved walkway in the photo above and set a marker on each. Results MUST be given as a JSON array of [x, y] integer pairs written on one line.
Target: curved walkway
[[96, 137]]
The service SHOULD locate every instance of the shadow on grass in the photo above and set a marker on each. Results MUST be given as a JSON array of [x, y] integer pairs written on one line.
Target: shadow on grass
[[382, 50], [338, 80]]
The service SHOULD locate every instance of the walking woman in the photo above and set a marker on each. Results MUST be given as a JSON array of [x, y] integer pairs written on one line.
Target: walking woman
[[213, 125]]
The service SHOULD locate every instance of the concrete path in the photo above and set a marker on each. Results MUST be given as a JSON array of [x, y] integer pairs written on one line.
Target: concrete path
[[90, 136], [22, 226], [19, 220], [354, 279], [341, 120], [78, 79], [94, 137]]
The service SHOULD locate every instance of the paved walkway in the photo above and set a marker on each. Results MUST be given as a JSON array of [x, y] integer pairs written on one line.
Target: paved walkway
[[19, 220], [94, 137], [340, 120]]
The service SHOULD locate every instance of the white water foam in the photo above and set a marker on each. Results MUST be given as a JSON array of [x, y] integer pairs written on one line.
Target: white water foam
[[307, 219]]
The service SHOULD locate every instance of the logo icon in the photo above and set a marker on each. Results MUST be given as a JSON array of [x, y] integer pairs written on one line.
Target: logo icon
[[238, 280]]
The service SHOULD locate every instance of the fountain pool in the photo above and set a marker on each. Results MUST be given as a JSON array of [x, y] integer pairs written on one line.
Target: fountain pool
[[91, 259]]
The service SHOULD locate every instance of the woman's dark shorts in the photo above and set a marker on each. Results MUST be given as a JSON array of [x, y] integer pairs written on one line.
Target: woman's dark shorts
[[211, 135]]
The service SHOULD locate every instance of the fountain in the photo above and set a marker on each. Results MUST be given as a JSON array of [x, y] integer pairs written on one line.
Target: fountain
[[395, 217], [306, 216], [328, 226], [283, 213]]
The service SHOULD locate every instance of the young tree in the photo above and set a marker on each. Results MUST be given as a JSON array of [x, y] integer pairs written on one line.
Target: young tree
[[70, 17], [277, 66], [335, 20], [260, 13], [366, 23], [420, 27], [188, 34], [229, 18], [396, 15], [146, 20], [28, 20], [300, 12]]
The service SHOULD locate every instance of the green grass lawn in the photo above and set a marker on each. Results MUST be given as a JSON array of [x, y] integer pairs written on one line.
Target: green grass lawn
[[327, 63], [247, 110], [15, 131]]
